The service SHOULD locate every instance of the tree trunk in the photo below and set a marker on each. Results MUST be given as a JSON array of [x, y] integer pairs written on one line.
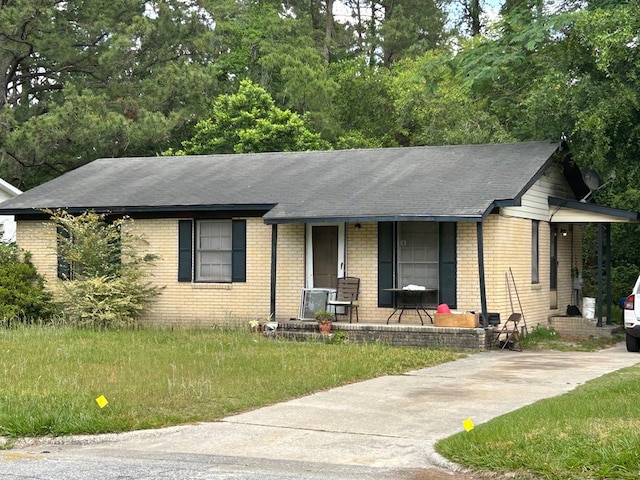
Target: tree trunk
[[328, 33], [474, 17]]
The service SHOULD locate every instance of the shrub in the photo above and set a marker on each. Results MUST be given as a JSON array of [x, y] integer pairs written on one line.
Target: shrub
[[108, 283], [22, 293]]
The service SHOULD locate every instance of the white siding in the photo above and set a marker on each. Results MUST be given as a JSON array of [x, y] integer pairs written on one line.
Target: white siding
[[535, 203], [7, 222]]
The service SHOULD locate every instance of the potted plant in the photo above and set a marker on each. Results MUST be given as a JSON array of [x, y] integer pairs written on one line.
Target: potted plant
[[324, 319]]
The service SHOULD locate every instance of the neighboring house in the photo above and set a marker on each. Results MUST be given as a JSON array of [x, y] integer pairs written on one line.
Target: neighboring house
[[7, 222], [494, 228]]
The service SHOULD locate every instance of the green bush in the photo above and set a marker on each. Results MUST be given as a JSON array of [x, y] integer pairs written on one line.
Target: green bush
[[22, 294], [107, 286]]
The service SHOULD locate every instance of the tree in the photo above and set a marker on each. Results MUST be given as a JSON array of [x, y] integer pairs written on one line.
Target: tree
[[84, 79], [433, 107], [410, 28], [249, 121], [365, 104], [389, 30], [106, 284]]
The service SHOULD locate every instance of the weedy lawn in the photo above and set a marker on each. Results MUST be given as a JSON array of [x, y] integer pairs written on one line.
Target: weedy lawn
[[51, 377]]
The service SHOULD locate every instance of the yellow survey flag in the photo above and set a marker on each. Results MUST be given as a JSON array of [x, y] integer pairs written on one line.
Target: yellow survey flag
[[467, 424], [102, 401]]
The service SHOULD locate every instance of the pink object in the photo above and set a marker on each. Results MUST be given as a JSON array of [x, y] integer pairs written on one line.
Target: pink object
[[443, 308]]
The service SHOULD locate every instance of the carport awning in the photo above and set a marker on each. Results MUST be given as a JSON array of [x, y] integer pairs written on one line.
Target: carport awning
[[562, 210]]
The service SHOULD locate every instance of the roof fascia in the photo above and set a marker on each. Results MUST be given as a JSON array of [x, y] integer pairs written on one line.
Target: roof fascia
[[143, 209], [536, 177], [593, 208], [376, 218]]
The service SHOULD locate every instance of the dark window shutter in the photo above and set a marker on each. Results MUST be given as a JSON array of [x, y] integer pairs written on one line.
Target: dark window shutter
[[448, 264], [64, 269], [185, 250], [239, 251], [385, 263]]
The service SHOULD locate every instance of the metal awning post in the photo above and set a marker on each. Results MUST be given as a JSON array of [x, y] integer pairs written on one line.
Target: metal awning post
[[274, 261], [599, 274], [608, 270], [483, 292]]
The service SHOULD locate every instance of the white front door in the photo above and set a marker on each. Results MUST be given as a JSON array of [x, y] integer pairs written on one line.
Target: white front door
[[325, 254]]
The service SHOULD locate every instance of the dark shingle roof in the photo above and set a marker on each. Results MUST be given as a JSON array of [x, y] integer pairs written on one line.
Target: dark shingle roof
[[456, 182]]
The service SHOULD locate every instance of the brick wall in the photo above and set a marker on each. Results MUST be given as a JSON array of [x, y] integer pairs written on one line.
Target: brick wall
[[395, 335], [507, 246], [180, 303], [290, 270], [580, 327]]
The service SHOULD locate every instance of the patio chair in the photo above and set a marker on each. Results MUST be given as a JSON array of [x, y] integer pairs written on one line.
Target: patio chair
[[347, 296]]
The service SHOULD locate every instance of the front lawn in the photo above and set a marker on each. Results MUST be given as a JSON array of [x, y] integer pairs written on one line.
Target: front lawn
[[592, 432], [51, 377]]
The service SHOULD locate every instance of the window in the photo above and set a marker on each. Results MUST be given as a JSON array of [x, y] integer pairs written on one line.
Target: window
[[96, 248], [418, 254], [65, 269], [535, 251], [212, 250]]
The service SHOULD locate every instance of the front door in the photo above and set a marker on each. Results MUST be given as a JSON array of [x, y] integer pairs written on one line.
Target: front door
[[325, 255]]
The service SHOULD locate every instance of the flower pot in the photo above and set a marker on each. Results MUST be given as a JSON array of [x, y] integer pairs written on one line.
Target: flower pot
[[325, 328]]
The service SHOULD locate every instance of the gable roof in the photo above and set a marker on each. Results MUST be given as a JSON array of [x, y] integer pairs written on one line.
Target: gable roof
[[462, 182]]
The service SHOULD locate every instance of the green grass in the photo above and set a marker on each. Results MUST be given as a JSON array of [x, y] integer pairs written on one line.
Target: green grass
[[51, 377], [592, 432]]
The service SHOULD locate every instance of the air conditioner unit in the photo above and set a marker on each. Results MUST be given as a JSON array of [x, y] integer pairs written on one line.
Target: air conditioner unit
[[313, 300]]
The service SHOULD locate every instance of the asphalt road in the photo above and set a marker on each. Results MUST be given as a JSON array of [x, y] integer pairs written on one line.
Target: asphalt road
[[384, 428]]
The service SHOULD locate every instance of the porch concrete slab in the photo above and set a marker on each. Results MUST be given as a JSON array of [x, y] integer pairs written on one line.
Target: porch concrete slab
[[389, 422]]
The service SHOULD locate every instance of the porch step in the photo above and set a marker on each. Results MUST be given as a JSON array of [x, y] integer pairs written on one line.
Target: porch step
[[582, 327]]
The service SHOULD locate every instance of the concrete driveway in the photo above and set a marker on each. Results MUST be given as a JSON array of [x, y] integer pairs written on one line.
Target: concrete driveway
[[380, 428]]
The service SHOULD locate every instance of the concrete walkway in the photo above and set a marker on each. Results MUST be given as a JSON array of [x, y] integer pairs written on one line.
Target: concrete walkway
[[386, 423]]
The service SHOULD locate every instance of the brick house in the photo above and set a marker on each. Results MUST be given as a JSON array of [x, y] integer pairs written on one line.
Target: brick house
[[240, 236]]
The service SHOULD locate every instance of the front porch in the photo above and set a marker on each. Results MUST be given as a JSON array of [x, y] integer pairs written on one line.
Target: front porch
[[431, 336], [397, 334]]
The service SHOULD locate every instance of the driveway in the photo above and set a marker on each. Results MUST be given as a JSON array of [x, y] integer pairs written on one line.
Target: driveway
[[377, 429]]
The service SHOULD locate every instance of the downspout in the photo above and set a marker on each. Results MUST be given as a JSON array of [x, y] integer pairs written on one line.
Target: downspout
[[484, 320], [274, 259]]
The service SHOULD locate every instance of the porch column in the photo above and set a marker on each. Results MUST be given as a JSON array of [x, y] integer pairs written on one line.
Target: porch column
[[483, 292], [604, 260], [599, 279], [274, 261]]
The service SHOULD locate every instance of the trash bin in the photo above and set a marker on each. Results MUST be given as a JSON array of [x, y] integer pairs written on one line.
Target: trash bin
[[589, 308]]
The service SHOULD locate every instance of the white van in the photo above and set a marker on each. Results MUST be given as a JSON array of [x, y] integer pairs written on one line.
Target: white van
[[632, 319]]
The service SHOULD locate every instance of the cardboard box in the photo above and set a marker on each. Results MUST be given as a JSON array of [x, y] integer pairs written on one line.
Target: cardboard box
[[458, 320]]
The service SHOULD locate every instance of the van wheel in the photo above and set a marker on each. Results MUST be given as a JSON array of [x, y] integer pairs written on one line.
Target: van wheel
[[633, 343]]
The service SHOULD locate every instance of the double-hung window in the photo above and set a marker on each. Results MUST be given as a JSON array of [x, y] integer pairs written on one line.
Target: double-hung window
[[212, 250]]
